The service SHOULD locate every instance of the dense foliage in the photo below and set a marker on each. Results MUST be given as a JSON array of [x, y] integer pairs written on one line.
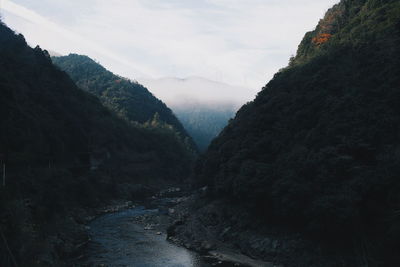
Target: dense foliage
[[204, 123], [318, 149], [128, 99], [61, 148]]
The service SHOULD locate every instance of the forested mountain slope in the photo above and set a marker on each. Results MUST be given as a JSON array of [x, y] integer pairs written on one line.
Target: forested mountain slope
[[203, 106], [317, 151], [204, 122], [62, 150], [130, 100]]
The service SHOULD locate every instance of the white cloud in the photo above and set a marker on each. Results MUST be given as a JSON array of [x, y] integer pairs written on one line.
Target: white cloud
[[241, 42], [40, 30]]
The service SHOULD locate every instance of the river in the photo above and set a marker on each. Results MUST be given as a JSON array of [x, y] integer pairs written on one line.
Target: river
[[116, 240]]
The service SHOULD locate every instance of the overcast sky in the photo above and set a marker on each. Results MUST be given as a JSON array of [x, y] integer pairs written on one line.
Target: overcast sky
[[241, 42]]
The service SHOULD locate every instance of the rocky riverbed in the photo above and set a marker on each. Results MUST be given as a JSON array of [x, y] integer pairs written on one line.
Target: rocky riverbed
[[173, 206], [118, 240], [131, 235]]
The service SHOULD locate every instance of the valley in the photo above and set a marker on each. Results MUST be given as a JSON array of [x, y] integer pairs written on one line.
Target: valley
[[99, 169]]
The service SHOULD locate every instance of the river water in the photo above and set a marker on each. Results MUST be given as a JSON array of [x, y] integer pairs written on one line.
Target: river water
[[116, 240]]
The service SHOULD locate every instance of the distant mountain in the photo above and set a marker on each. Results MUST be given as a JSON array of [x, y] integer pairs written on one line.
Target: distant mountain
[[308, 173], [203, 106], [129, 99], [62, 153]]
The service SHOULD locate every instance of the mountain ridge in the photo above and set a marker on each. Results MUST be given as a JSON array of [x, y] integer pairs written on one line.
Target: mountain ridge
[[204, 106], [129, 99], [63, 154], [311, 163]]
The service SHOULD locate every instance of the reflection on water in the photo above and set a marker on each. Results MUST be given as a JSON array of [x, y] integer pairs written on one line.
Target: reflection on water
[[118, 241]]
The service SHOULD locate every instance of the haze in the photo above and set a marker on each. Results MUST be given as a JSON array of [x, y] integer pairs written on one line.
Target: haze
[[197, 91], [237, 42]]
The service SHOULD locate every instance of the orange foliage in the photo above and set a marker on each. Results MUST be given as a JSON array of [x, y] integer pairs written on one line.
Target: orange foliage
[[321, 38]]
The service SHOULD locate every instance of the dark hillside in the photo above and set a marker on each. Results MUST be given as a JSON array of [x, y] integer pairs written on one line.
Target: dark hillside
[[130, 100], [63, 151], [317, 152]]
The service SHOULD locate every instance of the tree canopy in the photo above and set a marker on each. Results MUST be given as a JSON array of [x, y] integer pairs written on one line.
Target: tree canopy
[[317, 150]]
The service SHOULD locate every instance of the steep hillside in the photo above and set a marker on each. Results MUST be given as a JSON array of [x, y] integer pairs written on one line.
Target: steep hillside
[[204, 122], [203, 106], [61, 151], [317, 153], [128, 99]]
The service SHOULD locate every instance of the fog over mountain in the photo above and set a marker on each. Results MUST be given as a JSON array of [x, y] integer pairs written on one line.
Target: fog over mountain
[[203, 106], [54, 53], [177, 92]]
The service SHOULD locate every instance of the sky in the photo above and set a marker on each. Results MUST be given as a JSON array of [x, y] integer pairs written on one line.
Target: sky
[[239, 42]]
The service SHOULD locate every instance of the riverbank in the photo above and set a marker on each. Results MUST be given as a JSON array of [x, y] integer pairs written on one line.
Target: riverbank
[[174, 206], [116, 240], [63, 248], [228, 230], [64, 237]]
